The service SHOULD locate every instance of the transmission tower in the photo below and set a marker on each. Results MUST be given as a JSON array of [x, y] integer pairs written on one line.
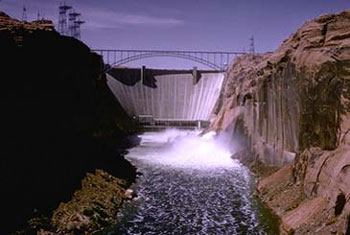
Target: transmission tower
[[78, 23], [71, 25], [252, 46], [74, 24], [62, 20], [24, 14]]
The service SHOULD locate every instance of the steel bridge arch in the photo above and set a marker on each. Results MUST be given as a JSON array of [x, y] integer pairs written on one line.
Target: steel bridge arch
[[181, 56], [202, 57]]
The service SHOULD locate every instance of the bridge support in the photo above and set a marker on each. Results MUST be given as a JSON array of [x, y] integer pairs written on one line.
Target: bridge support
[[143, 74], [195, 75]]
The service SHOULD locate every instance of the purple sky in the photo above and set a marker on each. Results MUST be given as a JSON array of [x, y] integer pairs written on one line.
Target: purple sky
[[210, 25]]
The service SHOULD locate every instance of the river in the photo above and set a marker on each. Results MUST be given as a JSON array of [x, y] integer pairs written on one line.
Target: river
[[190, 185]]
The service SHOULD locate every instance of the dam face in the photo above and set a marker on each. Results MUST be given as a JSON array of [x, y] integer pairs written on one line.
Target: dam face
[[187, 95]]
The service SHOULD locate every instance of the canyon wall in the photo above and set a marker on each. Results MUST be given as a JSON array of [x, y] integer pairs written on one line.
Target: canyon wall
[[260, 105], [59, 121], [292, 106]]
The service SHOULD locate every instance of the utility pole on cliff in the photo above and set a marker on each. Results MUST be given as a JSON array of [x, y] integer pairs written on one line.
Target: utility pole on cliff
[[252, 46], [24, 14]]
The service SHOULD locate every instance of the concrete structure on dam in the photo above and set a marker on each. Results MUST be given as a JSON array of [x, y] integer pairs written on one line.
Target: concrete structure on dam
[[166, 95]]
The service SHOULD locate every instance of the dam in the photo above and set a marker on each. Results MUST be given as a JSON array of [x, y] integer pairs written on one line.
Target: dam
[[159, 97]]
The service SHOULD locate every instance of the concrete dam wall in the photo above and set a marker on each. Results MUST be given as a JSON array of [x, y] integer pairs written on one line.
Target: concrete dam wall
[[166, 94]]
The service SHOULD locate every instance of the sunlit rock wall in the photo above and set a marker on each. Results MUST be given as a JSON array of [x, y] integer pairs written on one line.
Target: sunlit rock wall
[[261, 107], [294, 98], [294, 103], [173, 96]]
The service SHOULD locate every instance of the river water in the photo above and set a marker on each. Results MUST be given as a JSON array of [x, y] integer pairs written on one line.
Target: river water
[[190, 185]]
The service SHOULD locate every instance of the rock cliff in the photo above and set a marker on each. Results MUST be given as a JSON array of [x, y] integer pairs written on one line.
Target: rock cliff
[[59, 120], [292, 106]]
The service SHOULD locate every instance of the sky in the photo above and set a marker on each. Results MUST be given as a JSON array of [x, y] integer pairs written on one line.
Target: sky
[[209, 25]]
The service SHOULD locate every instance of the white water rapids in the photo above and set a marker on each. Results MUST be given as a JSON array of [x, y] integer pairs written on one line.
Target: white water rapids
[[189, 185]]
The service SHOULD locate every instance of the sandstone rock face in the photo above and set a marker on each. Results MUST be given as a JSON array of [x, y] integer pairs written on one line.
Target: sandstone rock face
[[259, 104], [17, 29], [94, 205], [293, 106]]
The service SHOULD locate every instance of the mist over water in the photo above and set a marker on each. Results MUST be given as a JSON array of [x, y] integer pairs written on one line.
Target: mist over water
[[185, 149], [189, 185]]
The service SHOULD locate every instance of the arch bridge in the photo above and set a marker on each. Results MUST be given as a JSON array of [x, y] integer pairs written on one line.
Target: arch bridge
[[216, 60]]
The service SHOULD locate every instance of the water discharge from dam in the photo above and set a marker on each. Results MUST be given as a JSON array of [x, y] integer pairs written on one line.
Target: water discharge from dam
[[189, 185]]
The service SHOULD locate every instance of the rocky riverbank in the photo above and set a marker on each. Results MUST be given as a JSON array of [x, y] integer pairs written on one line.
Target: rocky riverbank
[[291, 109], [95, 205], [62, 129]]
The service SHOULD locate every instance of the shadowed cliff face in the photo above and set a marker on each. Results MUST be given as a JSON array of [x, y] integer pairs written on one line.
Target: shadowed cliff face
[[59, 120], [293, 105]]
